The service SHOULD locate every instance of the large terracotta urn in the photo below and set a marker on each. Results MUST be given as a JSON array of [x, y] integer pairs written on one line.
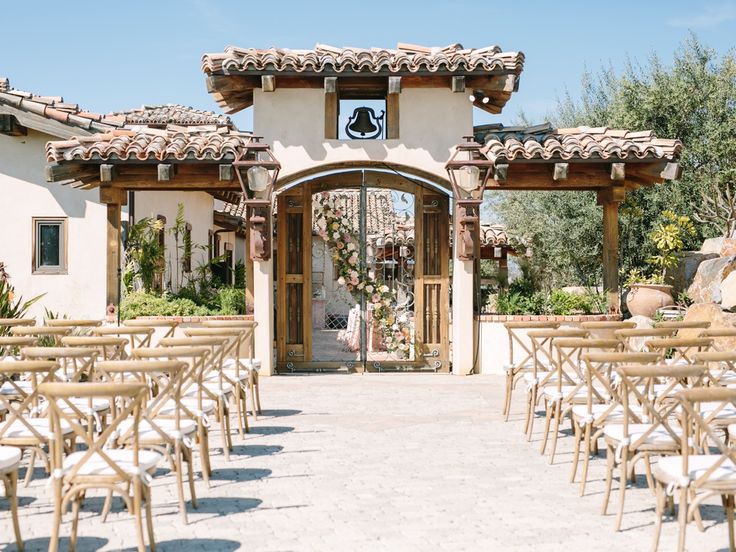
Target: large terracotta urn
[[645, 299]]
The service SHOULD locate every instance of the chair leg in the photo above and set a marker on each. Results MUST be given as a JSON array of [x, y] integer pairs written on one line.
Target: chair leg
[[609, 479], [179, 469], [648, 472], [149, 520], [237, 394], [528, 411], [257, 385], [696, 513], [106, 507], [138, 514], [30, 468], [576, 451], [189, 457], [244, 399], [556, 432], [682, 518], [622, 482], [659, 512], [224, 427], [586, 458], [729, 518], [507, 395], [11, 491], [56, 524], [549, 412], [75, 523], [532, 411]]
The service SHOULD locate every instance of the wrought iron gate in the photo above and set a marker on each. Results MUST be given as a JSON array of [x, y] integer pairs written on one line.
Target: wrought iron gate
[[362, 278]]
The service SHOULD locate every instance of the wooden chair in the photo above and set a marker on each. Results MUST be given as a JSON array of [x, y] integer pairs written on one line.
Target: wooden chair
[[169, 323], [678, 350], [7, 323], [715, 334], [214, 386], [648, 427], [108, 347], [10, 346], [138, 336], [543, 373], [196, 405], [9, 464], [695, 477], [524, 360], [721, 366], [24, 427], [117, 470], [569, 388], [169, 431], [46, 335], [634, 339], [600, 407]]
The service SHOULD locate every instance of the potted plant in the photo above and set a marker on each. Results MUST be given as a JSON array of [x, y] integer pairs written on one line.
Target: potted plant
[[647, 293]]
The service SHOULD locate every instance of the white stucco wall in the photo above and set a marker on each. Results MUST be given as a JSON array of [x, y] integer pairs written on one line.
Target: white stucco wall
[[24, 194], [431, 122], [198, 211]]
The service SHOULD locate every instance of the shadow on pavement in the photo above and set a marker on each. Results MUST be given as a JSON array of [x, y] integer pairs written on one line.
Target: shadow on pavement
[[84, 544]]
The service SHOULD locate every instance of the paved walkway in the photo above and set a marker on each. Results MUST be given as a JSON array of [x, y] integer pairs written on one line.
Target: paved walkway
[[388, 462]]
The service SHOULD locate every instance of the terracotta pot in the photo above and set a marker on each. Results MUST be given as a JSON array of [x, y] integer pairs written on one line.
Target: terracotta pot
[[645, 299]]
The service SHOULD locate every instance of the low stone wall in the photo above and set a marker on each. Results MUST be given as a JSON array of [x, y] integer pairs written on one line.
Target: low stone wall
[[185, 322], [493, 339]]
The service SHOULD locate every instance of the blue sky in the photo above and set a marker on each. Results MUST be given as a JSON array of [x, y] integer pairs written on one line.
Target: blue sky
[[116, 55]]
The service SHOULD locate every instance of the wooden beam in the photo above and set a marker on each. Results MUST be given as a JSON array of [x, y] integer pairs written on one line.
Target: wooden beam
[[268, 83], [332, 108], [560, 172], [392, 116], [109, 195], [618, 171], [500, 173], [610, 254], [165, 172], [226, 172], [497, 83], [394, 85], [231, 83], [458, 84], [487, 107], [107, 172], [9, 125], [113, 254]]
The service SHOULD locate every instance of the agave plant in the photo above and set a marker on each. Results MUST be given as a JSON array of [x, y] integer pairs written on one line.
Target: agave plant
[[10, 306]]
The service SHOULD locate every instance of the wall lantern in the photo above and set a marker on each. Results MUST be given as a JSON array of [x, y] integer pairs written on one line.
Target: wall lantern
[[257, 170], [469, 170]]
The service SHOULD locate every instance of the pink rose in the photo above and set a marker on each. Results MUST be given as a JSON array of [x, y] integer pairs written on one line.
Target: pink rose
[[376, 298]]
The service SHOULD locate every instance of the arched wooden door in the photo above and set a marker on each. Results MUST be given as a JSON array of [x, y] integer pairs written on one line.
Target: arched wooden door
[[372, 293]]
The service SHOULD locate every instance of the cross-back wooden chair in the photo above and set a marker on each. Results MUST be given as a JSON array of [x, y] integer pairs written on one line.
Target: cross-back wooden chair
[[716, 333], [521, 356], [9, 465], [569, 388], [117, 470], [7, 323], [215, 386], [246, 356], [169, 431], [543, 372], [44, 334], [600, 407], [10, 345], [238, 373], [679, 350], [24, 426], [721, 364], [192, 401], [108, 347], [138, 336], [696, 475], [169, 323], [649, 427], [634, 339]]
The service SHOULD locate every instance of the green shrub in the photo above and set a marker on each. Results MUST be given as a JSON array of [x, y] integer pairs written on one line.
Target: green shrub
[[558, 302], [231, 300], [140, 303]]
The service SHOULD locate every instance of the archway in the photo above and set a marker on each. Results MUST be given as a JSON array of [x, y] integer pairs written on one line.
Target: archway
[[362, 271]]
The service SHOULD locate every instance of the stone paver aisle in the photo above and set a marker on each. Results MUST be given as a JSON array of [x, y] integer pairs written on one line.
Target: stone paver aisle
[[380, 462]]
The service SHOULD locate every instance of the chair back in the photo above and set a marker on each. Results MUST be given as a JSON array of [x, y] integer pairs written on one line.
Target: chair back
[[568, 351], [683, 324], [169, 323], [543, 354], [108, 347], [139, 336], [679, 350], [247, 343], [10, 345], [634, 339], [520, 346], [46, 335], [76, 362]]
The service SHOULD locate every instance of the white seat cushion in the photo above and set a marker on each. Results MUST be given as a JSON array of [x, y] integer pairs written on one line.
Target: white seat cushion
[[248, 363], [147, 434], [615, 416], [727, 412], [18, 430], [147, 460], [168, 409], [212, 387], [9, 458], [82, 404], [8, 388], [658, 437], [669, 468]]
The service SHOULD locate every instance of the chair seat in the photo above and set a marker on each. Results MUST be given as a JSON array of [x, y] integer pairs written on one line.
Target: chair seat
[[147, 433], [18, 430], [82, 404], [9, 458], [9, 389], [147, 460], [248, 363], [211, 387], [726, 413], [658, 437], [616, 416], [529, 379], [169, 407], [669, 468]]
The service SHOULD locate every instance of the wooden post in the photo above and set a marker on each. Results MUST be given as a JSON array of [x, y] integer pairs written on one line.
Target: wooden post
[[248, 275], [609, 199], [114, 198]]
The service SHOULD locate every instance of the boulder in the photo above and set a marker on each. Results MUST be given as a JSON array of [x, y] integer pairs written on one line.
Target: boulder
[[728, 248], [717, 317], [637, 343], [728, 291], [706, 286], [681, 276], [712, 245]]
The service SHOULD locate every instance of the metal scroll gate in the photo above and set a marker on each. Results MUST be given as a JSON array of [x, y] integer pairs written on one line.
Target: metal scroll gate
[[362, 278]]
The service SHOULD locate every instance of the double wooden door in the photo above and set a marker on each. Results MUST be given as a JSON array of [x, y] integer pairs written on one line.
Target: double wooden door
[[397, 316]]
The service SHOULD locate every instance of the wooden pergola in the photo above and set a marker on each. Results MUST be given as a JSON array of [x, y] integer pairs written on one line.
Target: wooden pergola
[[606, 161]]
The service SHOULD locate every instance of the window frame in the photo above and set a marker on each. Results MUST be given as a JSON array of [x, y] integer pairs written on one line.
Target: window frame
[[63, 266]]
